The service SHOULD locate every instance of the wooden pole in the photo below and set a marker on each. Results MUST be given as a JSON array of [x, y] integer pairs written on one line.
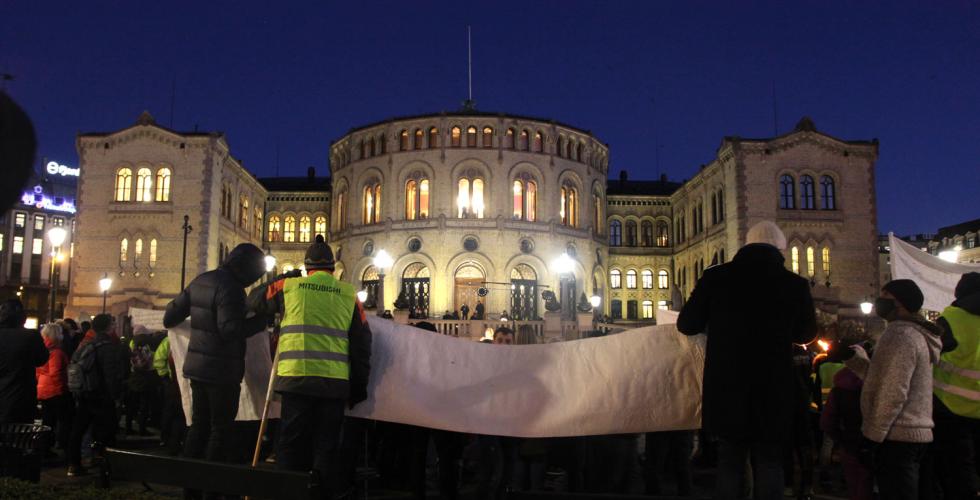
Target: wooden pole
[[265, 411]]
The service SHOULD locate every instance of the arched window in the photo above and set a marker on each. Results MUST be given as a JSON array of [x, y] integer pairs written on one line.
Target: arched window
[[597, 212], [568, 210], [455, 136], [646, 233], [123, 251], [630, 233], [163, 184], [403, 141], [304, 229], [372, 203], [257, 226], [469, 198], [807, 201], [341, 213], [124, 184], [243, 212], [826, 261], [663, 279], [275, 229], [580, 154], [289, 229], [663, 238], [144, 185], [646, 278], [794, 257], [810, 264], [615, 233], [371, 147], [525, 199], [138, 253], [363, 148], [419, 138], [787, 192], [646, 309], [827, 193], [382, 145], [433, 138], [538, 142], [417, 199], [721, 205], [509, 139], [615, 279], [631, 279], [559, 146], [714, 209], [487, 137], [320, 227], [471, 136], [523, 142], [153, 253]]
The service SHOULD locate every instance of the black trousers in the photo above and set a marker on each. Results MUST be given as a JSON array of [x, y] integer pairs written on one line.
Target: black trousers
[[767, 469], [896, 469], [309, 436], [953, 454], [101, 416], [449, 449], [57, 413], [675, 448], [213, 411], [173, 424]]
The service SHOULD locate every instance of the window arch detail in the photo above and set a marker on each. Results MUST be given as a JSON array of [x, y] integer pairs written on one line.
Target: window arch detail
[[124, 184], [163, 184]]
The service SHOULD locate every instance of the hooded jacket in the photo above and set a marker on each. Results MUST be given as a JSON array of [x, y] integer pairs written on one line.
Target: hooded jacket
[[896, 400], [841, 415], [21, 351], [52, 377], [215, 302], [752, 309]]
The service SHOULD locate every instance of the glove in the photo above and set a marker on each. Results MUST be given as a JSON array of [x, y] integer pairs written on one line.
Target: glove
[[838, 352]]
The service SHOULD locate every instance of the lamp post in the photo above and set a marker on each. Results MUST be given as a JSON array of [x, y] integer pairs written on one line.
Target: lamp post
[[866, 308], [382, 261], [362, 296], [56, 236], [270, 264], [104, 285], [595, 301], [183, 259], [564, 265]]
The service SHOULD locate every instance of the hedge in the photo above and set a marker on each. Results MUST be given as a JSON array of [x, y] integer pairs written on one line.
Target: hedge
[[15, 489]]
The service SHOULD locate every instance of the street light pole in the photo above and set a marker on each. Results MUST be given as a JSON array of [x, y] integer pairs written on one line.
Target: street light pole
[[56, 236], [104, 285], [183, 260], [382, 261]]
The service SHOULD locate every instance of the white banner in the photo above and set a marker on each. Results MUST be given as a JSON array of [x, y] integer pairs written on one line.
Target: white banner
[[936, 278], [258, 368], [151, 319], [646, 379]]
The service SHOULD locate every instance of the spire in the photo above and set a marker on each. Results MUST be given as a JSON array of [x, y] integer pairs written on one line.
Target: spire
[[145, 118], [469, 104]]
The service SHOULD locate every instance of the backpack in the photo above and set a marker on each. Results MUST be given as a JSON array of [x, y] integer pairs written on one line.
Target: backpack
[[141, 358], [83, 374]]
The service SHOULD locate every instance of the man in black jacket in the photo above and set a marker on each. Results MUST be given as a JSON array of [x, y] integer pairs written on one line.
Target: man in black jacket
[[215, 362], [21, 350], [753, 310]]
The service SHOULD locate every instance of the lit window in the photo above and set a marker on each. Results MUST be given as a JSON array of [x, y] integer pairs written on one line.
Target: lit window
[[597, 213], [523, 144], [469, 198], [455, 135], [615, 279], [275, 229], [487, 137], [417, 199], [631, 279], [243, 212], [341, 213], [372, 203], [787, 192], [827, 193], [419, 137], [38, 246], [124, 184], [123, 251], [163, 184], [144, 185], [153, 252], [810, 264], [304, 229], [647, 309], [807, 201], [663, 280], [138, 252], [538, 142], [257, 224], [826, 260], [471, 136], [289, 229], [662, 230], [794, 254], [20, 219], [509, 139], [433, 137], [615, 233], [568, 210], [38, 223], [1, 242], [403, 141], [18, 245], [662, 305], [525, 199], [320, 226], [646, 278]]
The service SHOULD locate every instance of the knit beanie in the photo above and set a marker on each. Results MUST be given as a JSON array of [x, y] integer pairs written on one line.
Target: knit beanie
[[907, 293], [766, 232], [319, 255], [969, 284]]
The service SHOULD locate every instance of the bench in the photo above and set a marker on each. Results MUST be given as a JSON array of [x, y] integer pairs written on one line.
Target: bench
[[230, 479]]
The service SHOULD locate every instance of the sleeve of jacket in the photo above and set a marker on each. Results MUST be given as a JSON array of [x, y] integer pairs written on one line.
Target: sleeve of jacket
[[266, 300], [111, 359], [230, 313], [886, 387], [806, 330], [693, 318], [359, 355], [177, 310], [58, 367], [39, 353], [949, 341]]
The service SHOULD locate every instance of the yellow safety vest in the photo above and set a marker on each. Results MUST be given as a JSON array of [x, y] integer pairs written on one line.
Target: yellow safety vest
[[956, 378], [827, 371], [313, 333]]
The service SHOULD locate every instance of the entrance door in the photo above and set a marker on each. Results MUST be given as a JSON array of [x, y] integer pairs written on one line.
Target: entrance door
[[415, 287], [523, 293], [468, 280]]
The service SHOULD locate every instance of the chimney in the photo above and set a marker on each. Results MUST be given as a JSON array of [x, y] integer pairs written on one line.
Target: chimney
[[311, 172], [622, 176]]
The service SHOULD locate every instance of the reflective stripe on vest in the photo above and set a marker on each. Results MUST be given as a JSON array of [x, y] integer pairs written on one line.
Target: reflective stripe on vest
[[313, 333], [956, 378]]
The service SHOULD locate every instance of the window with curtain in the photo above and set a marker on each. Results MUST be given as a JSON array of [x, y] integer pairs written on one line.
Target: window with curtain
[[631, 279], [417, 199], [320, 227], [615, 233], [807, 201], [469, 198], [630, 233], [403, 141], [289, 229], [371, 210], [487, 137], [663, 280], [646, 278], [144, 185], [433, 138], [662, 238], [304, 229], [615, 279], [275, 229], [827, 193], [787, 192], [163, 184], [124, 184], [568, 210], [525, 193]]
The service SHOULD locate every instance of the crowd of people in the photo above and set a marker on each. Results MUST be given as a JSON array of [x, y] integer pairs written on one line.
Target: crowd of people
[[898, 412]]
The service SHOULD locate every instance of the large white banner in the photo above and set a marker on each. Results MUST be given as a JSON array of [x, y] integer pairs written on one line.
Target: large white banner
[[646, 379], [936, 278]]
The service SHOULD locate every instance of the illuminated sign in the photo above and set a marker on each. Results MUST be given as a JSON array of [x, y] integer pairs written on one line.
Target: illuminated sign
[[39, 200], [54, 168]]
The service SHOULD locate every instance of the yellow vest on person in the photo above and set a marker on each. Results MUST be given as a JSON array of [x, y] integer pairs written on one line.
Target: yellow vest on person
[[956, 378], [313, 338]]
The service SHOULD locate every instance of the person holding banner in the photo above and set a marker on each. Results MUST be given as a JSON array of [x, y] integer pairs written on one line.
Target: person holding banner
[[323, 362]]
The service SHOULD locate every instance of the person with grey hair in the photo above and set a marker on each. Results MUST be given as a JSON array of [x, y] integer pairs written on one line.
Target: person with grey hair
[[52, 385], [752, 310], [22, 351]]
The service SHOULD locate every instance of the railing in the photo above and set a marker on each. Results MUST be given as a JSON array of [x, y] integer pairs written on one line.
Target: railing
[[477, 329]]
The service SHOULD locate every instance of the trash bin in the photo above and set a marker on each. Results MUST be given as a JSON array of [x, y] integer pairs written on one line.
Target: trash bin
[[22, 448]]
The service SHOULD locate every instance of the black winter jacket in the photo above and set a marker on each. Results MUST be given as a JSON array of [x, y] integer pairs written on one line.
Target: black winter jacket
[[215, 302], [753, 309], [21, 350]]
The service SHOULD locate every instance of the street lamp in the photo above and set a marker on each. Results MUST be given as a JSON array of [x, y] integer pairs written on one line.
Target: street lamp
[[362, 296], [951, 255], [270, 263], [595, 301], [56, 235], [104, 285], [866, 308], [564, 265], [382, 261]]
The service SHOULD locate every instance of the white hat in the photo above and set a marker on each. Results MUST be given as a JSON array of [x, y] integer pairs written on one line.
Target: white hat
[[766, 232]]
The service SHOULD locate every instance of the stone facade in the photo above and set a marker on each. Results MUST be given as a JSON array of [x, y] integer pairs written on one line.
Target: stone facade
[[963, 239]]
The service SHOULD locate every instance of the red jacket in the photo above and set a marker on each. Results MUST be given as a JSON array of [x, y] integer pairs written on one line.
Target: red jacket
[[52, 377]]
